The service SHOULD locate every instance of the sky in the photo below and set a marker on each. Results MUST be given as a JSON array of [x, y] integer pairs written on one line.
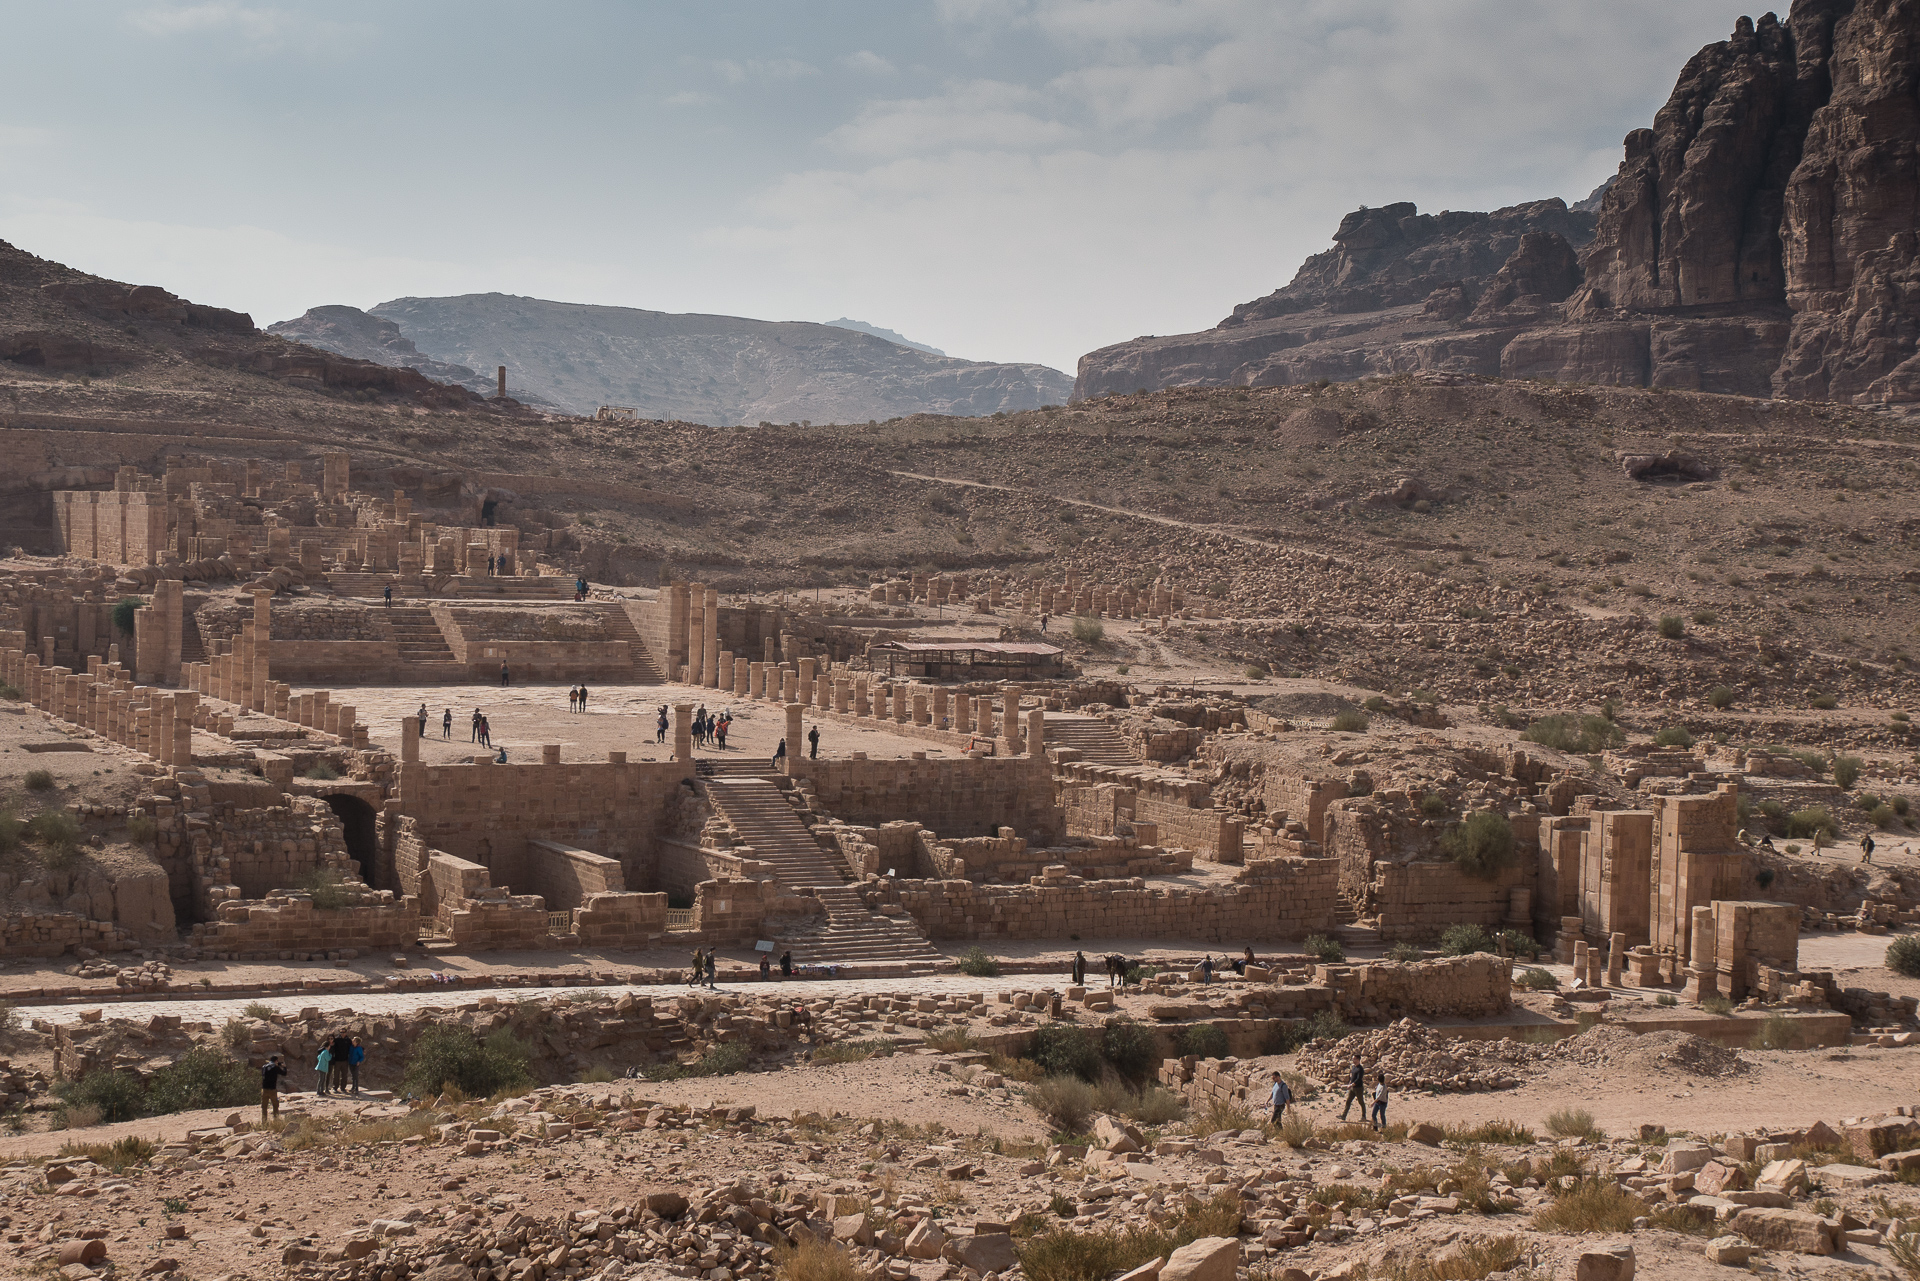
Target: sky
[[1003, 179]]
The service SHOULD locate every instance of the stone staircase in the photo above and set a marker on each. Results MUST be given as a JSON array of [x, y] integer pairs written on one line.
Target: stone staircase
[[850, 933], [418, 635], [1097, 742], [620, 627], [192, 650], [348, 583]]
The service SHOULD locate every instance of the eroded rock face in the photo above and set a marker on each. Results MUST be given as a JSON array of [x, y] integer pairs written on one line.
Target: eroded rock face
[[1761, 239]]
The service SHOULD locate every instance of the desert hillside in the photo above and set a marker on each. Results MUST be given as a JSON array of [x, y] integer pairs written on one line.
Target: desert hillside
[[721, 370]]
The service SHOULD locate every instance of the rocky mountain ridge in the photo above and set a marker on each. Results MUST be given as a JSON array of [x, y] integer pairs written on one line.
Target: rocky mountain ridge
[[719, 370], [1760, 239]]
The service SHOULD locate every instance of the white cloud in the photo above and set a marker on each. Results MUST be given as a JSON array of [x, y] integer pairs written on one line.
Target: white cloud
[[257, 29], [762, 69], [868, 61], [976, 113]]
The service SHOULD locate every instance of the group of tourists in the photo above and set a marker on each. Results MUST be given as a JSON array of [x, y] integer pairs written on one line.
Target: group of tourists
[[336, 1071], [577, 697], [482, 731], [710, 729], [703, 965], [1281, 1095], [580, 588]]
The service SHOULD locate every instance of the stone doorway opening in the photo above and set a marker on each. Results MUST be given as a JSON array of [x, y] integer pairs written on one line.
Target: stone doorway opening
[[357, 824]]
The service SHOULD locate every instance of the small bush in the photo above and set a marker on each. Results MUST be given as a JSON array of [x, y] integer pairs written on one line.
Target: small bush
[[1720, 697], [1350, 721], [1404, 951], [1507, 1133], [1462, 939], [58, 835], [1824, 702], [1811, 821], [1673, 736], [38, 780], [449, 1056], [1591, 1205], [324, 884], [1883, 817], [1434, 804], [142, 830], [110, 1096], [1472, 1261], [1846, 771], [1088, 630], [1130, 1049], [1374, 703], [1900, 804], [1482, 847], [1518, 944], [1777, 1032], [1582, 735], [1672, 626], [1203, 1040], [116, 1156], [978, 963], [1667, 999], [1537, 980], [12, 829], [1718, 1005], [808, 1258], [201, 1078], [950, 1039], [1574, 1123], [1063, 1102], [322, 772], [1903, 955], [852, 1051], [1323, 949], [1064, 1050]]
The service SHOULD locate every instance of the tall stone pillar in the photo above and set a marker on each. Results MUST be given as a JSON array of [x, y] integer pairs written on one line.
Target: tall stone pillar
[[840, 693], [882, 697], [806, 666], [726, 669], [261, 676], [1010, 716], [922, 714], [822, 690], [903, 704], [409, 740], [862, 704], [683, 733], [1616, 958], [940, 707], [796, 734], [963, 713], [185, 705], [678, 608], [160, 728], [696, 633], [1037, 732], [1703, 979], [756, 681], [710, 650]]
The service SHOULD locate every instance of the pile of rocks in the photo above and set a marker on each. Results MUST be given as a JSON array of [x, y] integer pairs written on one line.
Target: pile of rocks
[[1658, 1053], [1416, 1057], [97, 968], [154, 976]]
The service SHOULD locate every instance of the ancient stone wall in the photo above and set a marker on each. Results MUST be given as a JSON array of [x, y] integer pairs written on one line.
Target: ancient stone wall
[[969, 797], [566, 876], [1416, 901], [263, 929], [116, 527], [1695, 861], [1274, 899]]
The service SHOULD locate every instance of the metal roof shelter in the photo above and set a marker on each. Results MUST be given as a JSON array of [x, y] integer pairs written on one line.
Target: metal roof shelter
[[966, 660]]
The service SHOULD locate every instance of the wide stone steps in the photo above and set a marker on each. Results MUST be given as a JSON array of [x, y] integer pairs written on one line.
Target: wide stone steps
[[645, 670], [418, 636], [764, 820], [1095, 740], [191, 648]]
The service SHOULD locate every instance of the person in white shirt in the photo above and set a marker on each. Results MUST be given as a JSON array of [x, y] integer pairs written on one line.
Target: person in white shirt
[[1380, 1103]]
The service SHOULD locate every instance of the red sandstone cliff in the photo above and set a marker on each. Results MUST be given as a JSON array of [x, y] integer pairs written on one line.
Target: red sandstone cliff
[[1760, 239]]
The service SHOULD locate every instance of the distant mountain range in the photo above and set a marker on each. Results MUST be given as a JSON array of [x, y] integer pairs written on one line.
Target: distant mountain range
[[862, 327], [697, 368]]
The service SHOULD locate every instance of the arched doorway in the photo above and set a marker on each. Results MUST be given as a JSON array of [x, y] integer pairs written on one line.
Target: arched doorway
[[356, 821]]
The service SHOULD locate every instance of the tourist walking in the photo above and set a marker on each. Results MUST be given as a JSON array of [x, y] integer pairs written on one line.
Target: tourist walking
[[720, 730], [355, 1057], [573, 698], [1356, 1090], [1866, 848], [421, 716], [711, 953], [388, 593], [476, 724], [780, 753], [660, 726], [1277, 1099], [270, 1086], [503, 673], [699, 967], [322, 1067], [490, 564], [486, 732], [583, 698], [766, 968], [786, 965], [813, 743], [1079, 969], [1206, 969], [446, 724], [1380, 1103]]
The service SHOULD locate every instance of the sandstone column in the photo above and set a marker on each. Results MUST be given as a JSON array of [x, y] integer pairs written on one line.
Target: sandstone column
[[1037, 732], [683, 733], [726, 669], [257, 697], [1010, 717], [756, 681], [710, 651], [696, 633], [796, 735], [160, 728], [940, 707], [963, 713], [185, 705], [921, 715], [410, 740], [1616, 958], [840, 693]]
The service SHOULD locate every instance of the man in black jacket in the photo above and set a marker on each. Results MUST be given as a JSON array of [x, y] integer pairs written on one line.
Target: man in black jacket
[[1356, 1090], [270, 1087]]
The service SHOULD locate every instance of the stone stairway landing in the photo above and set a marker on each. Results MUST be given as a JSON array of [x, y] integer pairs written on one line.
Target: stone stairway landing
[[645, 670], [1096, 741], [418, 635], [759, 812]]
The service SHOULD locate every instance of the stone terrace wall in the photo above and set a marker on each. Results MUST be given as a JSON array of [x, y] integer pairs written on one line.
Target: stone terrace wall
[[1416, 901], [1452, 987], [969, 797], [1099, 800], [263, 929], [576, 647], [46, 934], [566, 876], [488, 813], [1271, 899]]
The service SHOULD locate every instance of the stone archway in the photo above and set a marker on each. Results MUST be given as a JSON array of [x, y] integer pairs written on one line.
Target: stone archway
[[362, 836]]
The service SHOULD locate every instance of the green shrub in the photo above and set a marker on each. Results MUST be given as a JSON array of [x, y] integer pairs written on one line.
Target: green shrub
[[1323, 949], [1375, 704], [1719, 1005], [1131, 1049], [1720, 696], [203, 1077], [450, 1056], [38, 780], [1578, 734], [142, 830], [1705, 617], [1088, 630], [977, 963], [1325, 1025], [322, 771], [1434, 804], [1064, 1050], [12, 829], [112, 1096], [1672, 626], [1350, 721], [1482, 847], [324, 884], [1824, 702], [58, 835], [1777, 1032], [1900, 804], [1459, 940], [1064, 1101], [1203, 1040], [1537, 980], [1519, 943], [721, 1060], [1574, 1123], [1883, 817], [1903, 955], [1666, 998], [122, 613], [1812, 821], [1405, 951], [1846, 771], [11, 692], [1673, 736]]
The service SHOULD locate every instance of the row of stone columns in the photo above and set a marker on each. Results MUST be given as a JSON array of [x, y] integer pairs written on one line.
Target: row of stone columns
[[105, 699]]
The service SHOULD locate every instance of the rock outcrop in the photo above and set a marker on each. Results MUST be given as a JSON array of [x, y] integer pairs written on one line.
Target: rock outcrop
[[720, 370], [349, 331], [1760, 239]]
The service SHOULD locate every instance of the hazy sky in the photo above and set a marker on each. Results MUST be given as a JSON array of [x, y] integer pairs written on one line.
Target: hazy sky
[[1004, 179]]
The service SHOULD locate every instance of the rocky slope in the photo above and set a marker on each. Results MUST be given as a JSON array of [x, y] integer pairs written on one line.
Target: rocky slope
[[719, 370], [1760, 239], [352, 332]]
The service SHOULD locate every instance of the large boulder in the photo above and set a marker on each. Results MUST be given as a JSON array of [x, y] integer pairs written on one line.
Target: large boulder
[[1208, 1259], [1794, 1230]]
